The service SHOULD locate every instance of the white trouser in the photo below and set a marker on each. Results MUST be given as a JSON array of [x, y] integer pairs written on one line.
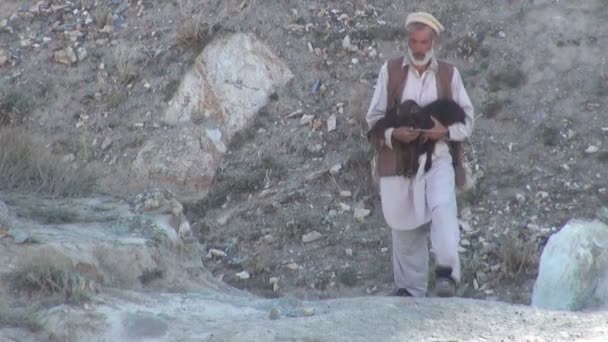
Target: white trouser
[[409, 205]]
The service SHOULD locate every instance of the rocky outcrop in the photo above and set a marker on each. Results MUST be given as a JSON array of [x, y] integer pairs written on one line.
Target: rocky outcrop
[[232, 79], [141, 287], [573, 272]]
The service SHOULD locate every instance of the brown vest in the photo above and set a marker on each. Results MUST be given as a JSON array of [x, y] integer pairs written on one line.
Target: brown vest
[[387, 163]]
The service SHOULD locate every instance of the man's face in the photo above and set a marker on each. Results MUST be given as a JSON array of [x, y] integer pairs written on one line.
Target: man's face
[[420, 43]]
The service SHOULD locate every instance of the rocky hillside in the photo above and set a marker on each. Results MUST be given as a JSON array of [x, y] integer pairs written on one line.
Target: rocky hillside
[[251, 113]]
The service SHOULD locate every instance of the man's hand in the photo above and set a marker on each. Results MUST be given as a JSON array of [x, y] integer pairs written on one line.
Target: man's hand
[[405, 134], [438, 131]]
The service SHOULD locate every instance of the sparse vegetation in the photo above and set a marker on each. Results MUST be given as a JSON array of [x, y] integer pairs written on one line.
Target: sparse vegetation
[[243, 178], [193, 30], [116, 98], [26, 166], [492, 105], [125, 57], [509, 77], [17, 317], [15, 102], [518, 255], [549, 135], [50, 215], [150, 274], [293, 222], [47, 278]]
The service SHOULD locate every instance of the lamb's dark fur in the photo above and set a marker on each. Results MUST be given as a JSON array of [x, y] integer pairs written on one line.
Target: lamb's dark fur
[[410, 114], [447, 112]]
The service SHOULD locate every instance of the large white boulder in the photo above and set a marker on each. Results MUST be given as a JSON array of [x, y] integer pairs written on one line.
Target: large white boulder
[[230, 81], [573, 271]]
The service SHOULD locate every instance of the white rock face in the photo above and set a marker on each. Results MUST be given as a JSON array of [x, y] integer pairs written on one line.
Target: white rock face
[[230, 81], [573, 272]]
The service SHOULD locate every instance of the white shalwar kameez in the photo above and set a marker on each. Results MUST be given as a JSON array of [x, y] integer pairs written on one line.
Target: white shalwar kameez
[[413, 205]]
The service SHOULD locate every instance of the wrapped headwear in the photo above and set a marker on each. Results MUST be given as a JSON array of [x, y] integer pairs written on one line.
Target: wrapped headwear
[[425, 18]]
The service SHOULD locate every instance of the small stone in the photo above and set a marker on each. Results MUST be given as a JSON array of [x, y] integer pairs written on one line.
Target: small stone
[[331, 123], [592, 149], [19, 237], [502, 34], [346, 42], [361, 213], [345, 207], [520, 198], [151, 203], [273, 280], [355, 61], [306, 119], [66, 56], [3, 23], [217, 253], [82, 54], [349, 251], [275, 313], [46, 40], [293, 266], [345, 193], [147, 85], [68, 158], [312, 236], [334, 170], [384, 249], [107, 142], [465, 242], [542, 194], [223, 219], [308, 312], [475, 284], [243, 275]]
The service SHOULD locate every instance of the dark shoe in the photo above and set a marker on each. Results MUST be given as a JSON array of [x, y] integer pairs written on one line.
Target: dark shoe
[[445, 285], [401, 292]]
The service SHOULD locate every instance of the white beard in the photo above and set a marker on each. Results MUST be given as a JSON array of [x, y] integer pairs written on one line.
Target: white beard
[[421, 62]]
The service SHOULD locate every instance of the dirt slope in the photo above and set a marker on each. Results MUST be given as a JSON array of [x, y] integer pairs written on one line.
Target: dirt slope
[[534, 70]]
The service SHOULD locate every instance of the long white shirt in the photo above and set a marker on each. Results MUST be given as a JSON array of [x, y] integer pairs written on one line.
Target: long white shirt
[[404, 199]]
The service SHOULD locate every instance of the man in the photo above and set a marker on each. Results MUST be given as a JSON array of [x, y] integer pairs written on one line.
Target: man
[[426, 201]]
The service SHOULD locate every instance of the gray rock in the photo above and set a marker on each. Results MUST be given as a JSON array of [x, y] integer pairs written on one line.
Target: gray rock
[[66, 56], [573, 271], [230, 82], [107, 142], [108, 245]]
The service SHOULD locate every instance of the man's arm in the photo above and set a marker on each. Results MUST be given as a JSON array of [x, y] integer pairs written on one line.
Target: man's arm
[[459, 131], [378, 104]]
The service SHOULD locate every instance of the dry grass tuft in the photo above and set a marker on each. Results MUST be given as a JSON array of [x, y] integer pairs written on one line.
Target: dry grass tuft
[[518, 254], [15, 103], [47, 275], [125, 58], [194, 30], [27, 166]]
